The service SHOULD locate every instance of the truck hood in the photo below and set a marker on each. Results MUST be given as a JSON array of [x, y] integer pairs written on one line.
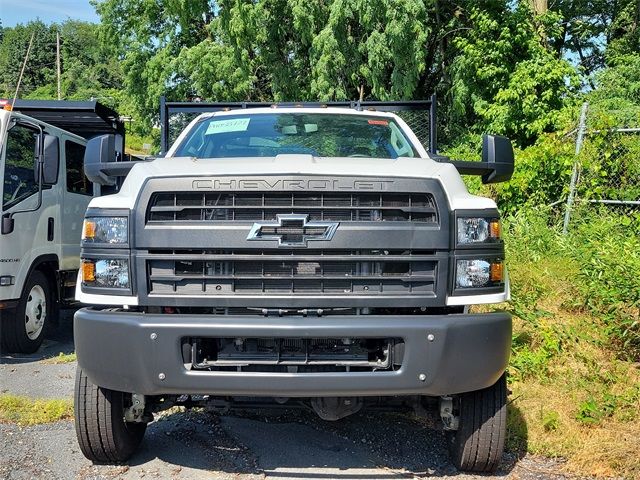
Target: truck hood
[[288, 165]]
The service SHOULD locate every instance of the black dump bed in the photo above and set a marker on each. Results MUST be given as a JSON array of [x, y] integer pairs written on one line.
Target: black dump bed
[[84, 118]]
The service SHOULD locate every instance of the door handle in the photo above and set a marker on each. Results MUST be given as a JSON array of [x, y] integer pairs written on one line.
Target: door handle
[[50, 226]]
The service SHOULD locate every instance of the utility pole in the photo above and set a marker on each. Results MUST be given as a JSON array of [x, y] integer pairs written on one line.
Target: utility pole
[[58, 63], [24, 65]]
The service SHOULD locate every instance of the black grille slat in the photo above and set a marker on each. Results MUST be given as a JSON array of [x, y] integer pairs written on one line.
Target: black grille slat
[[344, 207], [198, 272]]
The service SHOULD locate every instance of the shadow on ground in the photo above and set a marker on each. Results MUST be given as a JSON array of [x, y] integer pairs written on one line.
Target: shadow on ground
[[298, 445]]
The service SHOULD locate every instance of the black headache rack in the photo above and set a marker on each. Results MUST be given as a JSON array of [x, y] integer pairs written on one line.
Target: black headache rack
[[497, 152], [167, 109], [86, 119]]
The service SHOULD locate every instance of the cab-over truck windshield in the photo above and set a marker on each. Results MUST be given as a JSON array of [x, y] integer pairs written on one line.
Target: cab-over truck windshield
[[317, 134]]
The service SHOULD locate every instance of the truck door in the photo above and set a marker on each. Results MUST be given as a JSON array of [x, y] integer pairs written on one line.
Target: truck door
[[77, 193], [31, 234]]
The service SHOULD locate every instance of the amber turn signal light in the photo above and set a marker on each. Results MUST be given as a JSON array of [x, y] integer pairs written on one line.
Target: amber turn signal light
[[496, 271], [88, 272], [494, 229], [88, 229]]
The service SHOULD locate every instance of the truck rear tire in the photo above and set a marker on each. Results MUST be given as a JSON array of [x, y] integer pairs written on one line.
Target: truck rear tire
[[478, 443], [103, 434], [23, 332]]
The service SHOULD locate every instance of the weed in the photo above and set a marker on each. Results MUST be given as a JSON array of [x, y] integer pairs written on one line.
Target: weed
[[551, 420], [61, 358], [26, 411]]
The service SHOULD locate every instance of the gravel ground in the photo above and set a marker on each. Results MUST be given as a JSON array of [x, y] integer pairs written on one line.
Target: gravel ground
[[28, 375], [286, 445]]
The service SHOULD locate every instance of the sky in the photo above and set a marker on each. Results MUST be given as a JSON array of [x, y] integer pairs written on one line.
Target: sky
[[13, 12]]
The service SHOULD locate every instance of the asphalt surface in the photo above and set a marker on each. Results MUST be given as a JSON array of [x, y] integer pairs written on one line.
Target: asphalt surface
[[284, 445]]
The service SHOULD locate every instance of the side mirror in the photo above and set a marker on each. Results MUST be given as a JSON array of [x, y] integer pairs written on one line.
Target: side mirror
[[51, 163], [100, 150], [497, 153]]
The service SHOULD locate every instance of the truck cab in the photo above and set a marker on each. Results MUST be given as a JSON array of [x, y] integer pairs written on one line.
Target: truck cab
[[318, 255], [44, 196]]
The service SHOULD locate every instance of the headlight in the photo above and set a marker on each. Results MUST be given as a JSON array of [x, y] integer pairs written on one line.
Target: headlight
[[105, 273], [108, 230], [478, 230], [478, 273]]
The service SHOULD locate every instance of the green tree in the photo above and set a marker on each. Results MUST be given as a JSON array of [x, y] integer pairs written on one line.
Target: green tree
[[40, 68], [506, 79]]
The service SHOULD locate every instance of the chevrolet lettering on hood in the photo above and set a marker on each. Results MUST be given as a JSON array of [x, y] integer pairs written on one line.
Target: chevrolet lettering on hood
[[293, 184]]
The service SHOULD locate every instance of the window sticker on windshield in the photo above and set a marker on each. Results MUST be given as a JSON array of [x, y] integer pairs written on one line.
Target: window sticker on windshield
[[378, 122], [226, 126]]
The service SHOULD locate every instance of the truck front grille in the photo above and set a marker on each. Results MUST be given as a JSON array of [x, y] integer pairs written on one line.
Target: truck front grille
[[335, 206], [293, 355], [293, 272]]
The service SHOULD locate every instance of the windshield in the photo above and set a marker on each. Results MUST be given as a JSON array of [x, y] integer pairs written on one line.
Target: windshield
[[317, 134]]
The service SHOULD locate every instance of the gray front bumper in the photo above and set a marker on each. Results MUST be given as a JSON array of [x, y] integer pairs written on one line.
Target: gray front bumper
[[131, 352]]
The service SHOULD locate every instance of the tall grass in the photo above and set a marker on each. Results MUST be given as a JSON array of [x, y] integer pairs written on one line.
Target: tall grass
[[575, 305]]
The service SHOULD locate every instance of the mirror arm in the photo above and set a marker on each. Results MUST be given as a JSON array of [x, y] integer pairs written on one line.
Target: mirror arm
[[471, 168]]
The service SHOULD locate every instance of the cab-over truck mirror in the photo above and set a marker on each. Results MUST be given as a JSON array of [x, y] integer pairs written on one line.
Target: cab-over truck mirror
[[51, 160]]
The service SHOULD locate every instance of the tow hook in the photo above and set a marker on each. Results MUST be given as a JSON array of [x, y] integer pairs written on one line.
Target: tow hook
[[449, 420], [135, 413]]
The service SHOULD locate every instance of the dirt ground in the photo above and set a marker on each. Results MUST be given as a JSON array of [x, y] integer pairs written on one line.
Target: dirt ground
[[286, 445]]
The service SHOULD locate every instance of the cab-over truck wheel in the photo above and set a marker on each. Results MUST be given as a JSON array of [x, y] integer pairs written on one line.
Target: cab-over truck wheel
[[478, 443], [23, 329], [103, 434]]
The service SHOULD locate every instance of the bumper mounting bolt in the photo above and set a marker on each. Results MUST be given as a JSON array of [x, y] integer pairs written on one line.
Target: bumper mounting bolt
[[422, 377], [162, 376], [431, 337], [153, 336]]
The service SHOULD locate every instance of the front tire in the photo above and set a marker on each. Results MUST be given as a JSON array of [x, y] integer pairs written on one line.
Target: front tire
[[103, 434], [23, 332], [478, 443]]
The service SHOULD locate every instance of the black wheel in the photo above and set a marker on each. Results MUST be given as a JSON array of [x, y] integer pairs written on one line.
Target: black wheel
[[23, 331], [102, 432], [478, 443]]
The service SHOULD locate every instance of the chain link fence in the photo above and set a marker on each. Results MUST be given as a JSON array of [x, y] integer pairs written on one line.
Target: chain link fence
[[606, 169]]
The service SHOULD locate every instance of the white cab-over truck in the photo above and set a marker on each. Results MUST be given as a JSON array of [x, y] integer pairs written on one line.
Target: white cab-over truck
[[313, 256], [44, 196]]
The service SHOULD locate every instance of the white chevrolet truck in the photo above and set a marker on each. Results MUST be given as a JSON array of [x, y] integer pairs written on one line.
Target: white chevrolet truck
[[313, 256], [44, 196]]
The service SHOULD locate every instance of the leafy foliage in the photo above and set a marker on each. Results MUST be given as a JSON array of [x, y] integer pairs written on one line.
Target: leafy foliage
[[89, 69], [506, 79], [40, 69], [347, 49], [497, 65]]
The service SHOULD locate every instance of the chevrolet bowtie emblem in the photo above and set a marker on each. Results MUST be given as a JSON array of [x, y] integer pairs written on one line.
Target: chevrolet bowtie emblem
[[292, 230]]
